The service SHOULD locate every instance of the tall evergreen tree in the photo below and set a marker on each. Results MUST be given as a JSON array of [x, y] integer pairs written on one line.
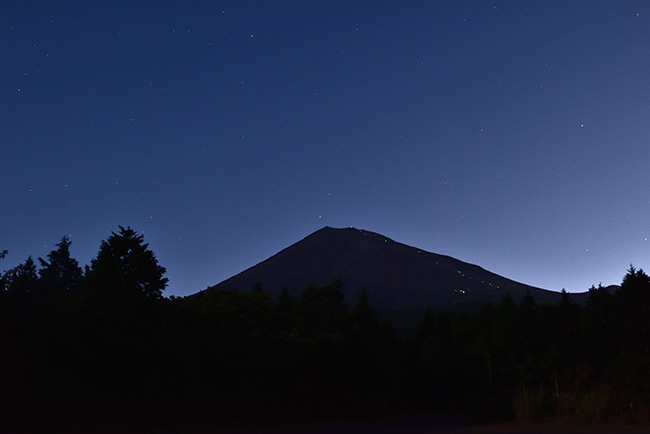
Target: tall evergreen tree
[[633, 305], [635, 286], [22, 279], [60, 272], [125, 267]]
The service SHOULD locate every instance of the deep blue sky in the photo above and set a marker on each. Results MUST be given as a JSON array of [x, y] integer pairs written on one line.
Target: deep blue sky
[[513, 135]]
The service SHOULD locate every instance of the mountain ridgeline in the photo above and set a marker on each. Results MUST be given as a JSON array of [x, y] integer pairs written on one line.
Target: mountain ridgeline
[[393, 275]]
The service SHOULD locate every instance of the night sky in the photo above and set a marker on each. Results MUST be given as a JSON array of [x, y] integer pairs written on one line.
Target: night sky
[[512, 135]]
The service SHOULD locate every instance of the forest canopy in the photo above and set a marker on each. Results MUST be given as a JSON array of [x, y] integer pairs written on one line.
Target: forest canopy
[[101, 345]]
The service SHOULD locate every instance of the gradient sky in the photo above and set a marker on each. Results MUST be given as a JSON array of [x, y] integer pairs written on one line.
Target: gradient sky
[[512, 134]]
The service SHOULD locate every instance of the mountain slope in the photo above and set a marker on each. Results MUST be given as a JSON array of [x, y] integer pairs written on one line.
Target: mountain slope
[[395, 276]]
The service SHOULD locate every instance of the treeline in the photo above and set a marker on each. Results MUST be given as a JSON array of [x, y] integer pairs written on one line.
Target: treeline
[[562, 363], [74, 343], [101, 346]]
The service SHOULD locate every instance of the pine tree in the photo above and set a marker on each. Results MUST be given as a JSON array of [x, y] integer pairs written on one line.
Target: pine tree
[[126, 268], [60, 273], [22, 279], [633, 309]]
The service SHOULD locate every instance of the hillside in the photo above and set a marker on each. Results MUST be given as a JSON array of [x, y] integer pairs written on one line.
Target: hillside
[[395, 276]]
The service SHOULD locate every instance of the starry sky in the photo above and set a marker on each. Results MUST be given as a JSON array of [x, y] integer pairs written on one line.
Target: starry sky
[[510, 134]]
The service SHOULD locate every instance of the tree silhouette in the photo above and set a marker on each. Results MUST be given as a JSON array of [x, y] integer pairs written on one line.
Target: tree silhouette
[[22, 279], [599, 329], [115, 346], [60, 272], [127, 268], [633, 302]]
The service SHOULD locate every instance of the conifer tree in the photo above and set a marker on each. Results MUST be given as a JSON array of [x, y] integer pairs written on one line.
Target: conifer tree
[[60, 272], [22, 279], [125, 267]]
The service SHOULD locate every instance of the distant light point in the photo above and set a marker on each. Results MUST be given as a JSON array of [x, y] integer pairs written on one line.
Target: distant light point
[[582, 125]]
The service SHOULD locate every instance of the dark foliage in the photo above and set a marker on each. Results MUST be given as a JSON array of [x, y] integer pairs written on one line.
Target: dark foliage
[[60, 273], [105, 349]]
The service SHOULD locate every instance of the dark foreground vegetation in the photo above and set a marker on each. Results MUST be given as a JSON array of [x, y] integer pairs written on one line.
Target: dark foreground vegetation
[[101, 347]]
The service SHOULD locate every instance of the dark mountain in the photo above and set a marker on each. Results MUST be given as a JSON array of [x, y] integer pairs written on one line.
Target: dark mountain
[[395, 276], [612, 288]]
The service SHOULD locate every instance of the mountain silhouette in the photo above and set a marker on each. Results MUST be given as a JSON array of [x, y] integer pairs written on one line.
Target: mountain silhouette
[[395, 276]]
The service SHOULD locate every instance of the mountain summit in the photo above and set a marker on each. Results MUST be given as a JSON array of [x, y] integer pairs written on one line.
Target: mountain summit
[[395, 276]]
